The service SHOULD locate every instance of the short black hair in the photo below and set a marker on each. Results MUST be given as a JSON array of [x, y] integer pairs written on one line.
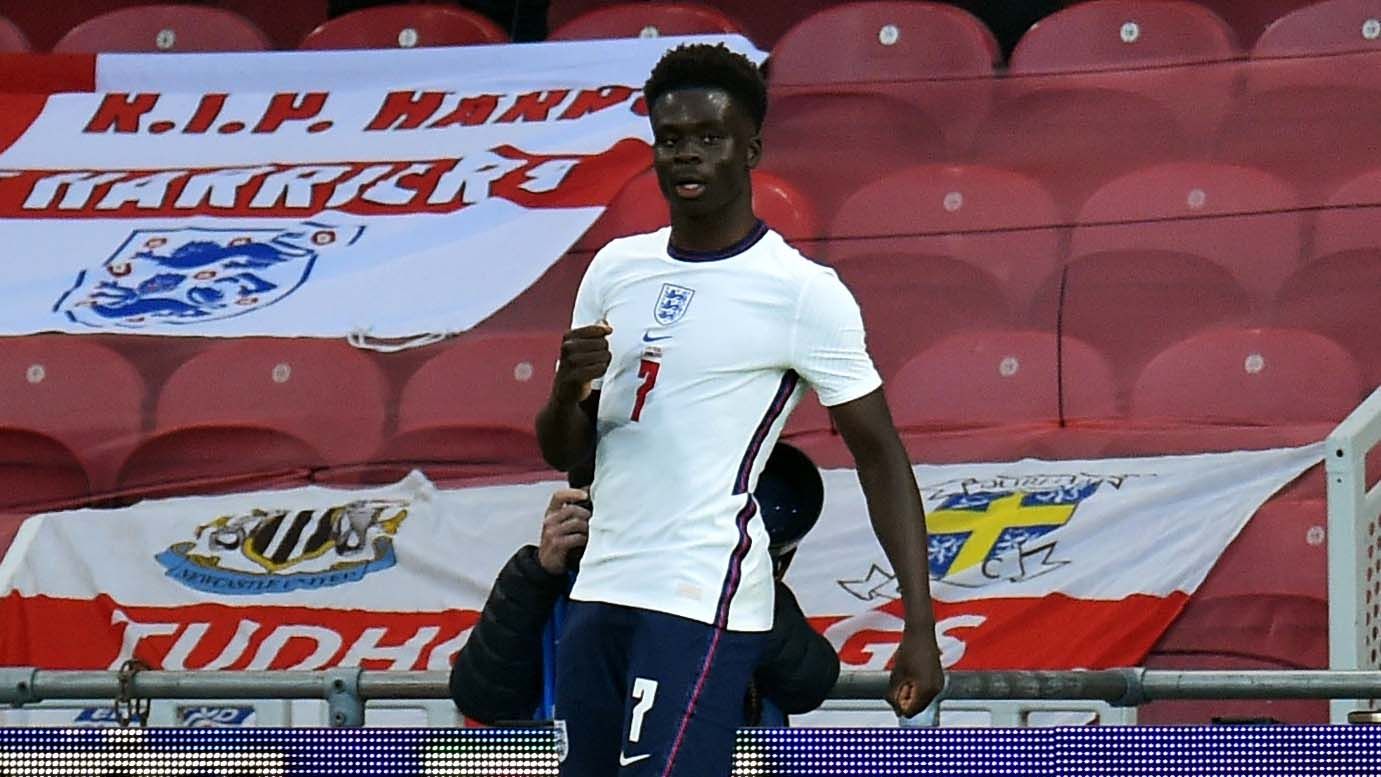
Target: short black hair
[[701, 65]]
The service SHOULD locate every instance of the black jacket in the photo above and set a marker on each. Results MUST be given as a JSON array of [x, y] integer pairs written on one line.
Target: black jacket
[[498, 674]]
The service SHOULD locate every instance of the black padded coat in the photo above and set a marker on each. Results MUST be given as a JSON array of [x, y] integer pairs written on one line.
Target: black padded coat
[[498, 674]]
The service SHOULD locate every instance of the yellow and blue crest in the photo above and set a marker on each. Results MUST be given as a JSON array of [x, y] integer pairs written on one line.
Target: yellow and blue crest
[[972, 529]]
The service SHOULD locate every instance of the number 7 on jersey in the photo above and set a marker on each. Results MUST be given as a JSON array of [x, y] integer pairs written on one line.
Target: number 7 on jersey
[[647, 370]]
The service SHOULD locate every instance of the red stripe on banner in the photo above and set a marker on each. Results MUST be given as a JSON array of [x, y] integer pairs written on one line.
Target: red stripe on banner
[[1051, 632], [100, 633], [16, 116], [304, 190], [47, 73]]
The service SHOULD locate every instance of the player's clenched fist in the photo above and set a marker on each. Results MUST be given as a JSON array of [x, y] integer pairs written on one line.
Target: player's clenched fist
[[584, 357], [916, 676]]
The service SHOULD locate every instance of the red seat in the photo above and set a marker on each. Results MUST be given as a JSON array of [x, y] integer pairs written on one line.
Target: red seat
[[901, 48], [1334, 293], [1249, 376], [1034, 126], [1332, 124], [767, 23], [911, 300], [1239, 624], [244, 410], [1328, 27], [284, 23], [640, 207], [1336, 296], [830, 144], [1124, 438], [1132, 304], [404, 26], [45, 23], [1250, 18], [1262, 606], [1349, 217], [1121, 34], [471, 409], [645, 20], [936, 446], [72, 409], [12, 39], [1134, 42], [999, 221], [546, 304], [172, 28], [883, 40], [561, 11], [1245, 220], [995, 377]]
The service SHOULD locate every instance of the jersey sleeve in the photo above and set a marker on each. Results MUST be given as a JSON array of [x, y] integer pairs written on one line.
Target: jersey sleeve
[[829, 347], [589, 303]]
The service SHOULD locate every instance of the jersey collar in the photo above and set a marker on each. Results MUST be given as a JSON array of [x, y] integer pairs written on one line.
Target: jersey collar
[[750, 240]]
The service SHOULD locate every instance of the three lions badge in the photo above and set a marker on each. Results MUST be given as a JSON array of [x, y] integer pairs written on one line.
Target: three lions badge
[[194, 275]]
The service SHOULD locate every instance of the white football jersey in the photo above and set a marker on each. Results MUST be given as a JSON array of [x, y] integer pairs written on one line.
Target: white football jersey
[[710, 354]]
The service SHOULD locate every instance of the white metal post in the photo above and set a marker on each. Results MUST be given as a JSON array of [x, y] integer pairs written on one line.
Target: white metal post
[[1354, 602]]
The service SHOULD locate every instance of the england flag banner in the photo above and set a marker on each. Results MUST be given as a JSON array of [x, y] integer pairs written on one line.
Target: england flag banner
[[384, 195], [1034, 565]]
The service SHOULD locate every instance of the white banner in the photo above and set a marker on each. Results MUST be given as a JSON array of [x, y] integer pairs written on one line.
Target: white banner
[[390, 194], [1035, 565]]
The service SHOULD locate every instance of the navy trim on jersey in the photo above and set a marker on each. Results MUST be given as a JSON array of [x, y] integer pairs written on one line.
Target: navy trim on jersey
[[759, 230], [745, 471], [745, 468], [735, 571]]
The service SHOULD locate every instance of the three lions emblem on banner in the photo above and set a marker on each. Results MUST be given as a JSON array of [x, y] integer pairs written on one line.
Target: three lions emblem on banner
[[194, 275], [275, 551]]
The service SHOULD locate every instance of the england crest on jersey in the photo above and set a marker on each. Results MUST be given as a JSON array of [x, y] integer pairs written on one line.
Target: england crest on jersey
[[192, 275], [672, 303]]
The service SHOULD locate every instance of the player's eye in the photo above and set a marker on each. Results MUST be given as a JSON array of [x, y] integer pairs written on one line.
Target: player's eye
[[711, 138], [666, 141]]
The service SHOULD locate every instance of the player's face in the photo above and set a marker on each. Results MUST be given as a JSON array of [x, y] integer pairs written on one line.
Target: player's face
[[704, 144]]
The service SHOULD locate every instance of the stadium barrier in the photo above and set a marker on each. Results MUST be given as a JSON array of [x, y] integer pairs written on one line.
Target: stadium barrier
[[1354, 564], [347, 691]]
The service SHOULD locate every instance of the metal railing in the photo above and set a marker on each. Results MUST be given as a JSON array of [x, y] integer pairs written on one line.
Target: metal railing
[[347, 691]]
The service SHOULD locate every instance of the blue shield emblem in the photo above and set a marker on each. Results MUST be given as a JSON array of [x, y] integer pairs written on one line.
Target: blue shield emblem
[[672, 303], [191, 275]]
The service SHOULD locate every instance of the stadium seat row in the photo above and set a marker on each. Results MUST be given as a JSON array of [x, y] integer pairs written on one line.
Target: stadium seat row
[[1007, 225], [81, 418], [1074, 133], [767, 23], [902, 36], [1150, 258]]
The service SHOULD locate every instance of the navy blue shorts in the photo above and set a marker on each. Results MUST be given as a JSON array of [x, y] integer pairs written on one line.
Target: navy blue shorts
[[647, 693]]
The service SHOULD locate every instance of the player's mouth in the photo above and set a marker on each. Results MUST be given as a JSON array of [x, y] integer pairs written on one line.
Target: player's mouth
[[689, 188]]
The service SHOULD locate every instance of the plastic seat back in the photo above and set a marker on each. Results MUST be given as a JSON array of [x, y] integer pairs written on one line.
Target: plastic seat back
[[168, 28], [645, 20], [404, 26]]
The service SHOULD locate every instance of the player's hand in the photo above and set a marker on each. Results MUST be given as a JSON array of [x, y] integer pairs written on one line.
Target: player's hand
[[584, 357], [917, 677], [565, 529]]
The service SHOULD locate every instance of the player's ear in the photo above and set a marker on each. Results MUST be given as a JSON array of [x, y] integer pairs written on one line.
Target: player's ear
[[754, 150]]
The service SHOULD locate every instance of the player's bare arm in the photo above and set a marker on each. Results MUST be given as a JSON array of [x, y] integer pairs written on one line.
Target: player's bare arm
[[566, 425], [898, 518]]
